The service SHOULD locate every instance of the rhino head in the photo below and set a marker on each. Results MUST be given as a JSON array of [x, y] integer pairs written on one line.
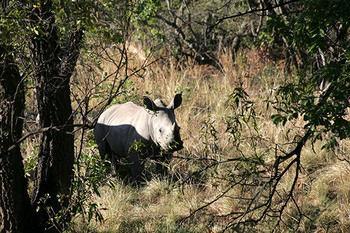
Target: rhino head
[[165, 131]]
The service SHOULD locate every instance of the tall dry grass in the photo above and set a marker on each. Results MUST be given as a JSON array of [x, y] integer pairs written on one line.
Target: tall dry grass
[[323, 189]]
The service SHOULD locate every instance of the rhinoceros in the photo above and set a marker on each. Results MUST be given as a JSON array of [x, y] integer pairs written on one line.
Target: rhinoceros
[[135, 132]]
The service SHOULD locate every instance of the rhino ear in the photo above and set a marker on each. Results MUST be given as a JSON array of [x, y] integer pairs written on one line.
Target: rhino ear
[[149, 104], [176, 101]]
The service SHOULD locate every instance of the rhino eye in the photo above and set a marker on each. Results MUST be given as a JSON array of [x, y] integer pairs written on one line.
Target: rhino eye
[[160, 130]]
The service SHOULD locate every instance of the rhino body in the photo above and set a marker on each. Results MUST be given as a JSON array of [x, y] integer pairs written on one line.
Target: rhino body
[[134, 132]]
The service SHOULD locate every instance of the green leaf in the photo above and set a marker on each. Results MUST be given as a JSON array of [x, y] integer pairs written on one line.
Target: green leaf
[[278, 119]]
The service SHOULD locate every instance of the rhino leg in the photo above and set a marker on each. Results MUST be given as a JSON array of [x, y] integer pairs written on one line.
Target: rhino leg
[[102, 149], [136, 168], [100, 138], [114, 163], [107, 154]]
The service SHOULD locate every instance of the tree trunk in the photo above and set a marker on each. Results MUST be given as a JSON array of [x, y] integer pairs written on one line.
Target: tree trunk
[[16, 213], [56, 156]]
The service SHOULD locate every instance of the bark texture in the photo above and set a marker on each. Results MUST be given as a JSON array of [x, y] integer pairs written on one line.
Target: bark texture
[[15, 209], [54, 67]]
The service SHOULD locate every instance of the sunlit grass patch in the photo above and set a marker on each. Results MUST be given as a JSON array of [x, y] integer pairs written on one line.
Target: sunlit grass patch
[[322, 190]]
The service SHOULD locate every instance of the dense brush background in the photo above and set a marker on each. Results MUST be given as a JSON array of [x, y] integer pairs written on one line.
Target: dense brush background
[[163, 204], [253, 76]]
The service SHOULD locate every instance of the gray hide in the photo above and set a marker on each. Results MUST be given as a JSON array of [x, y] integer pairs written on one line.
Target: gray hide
[[122, 127]]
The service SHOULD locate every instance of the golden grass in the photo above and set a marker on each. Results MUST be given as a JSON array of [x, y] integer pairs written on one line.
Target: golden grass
[[323, 188]]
